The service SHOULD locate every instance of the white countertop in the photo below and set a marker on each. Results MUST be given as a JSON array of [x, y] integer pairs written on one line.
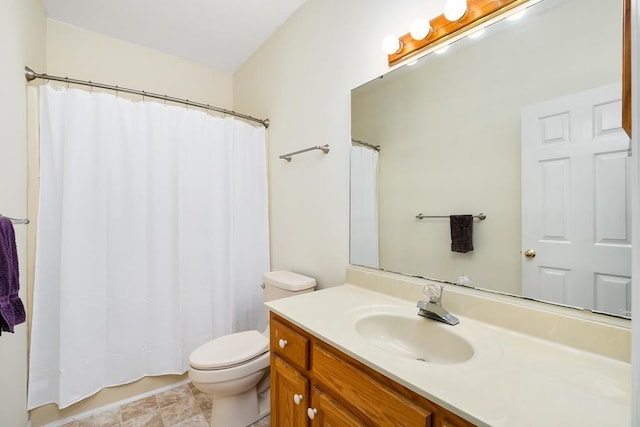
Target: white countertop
[[512, 379]]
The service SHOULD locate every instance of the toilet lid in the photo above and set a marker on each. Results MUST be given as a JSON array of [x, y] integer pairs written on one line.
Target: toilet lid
[[229, 350]]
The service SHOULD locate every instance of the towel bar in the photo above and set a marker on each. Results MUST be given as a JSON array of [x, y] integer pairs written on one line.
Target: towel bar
[[324, 148], [15, 220], [481, 216]]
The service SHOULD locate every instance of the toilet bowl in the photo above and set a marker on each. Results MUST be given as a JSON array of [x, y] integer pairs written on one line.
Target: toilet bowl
[[233, 369]]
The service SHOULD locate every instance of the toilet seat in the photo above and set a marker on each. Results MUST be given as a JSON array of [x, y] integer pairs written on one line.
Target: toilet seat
[[229, 351], [232, 373]]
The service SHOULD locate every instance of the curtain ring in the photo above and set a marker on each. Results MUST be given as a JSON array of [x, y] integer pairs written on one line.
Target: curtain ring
[[117, 91], [143, 93], [91, 87]]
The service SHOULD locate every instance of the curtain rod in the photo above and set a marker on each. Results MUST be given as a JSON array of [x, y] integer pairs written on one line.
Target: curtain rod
[[366, 144], [32, 75]]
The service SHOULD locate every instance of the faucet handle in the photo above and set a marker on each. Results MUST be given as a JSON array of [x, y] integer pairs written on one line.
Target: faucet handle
[[433, 292]]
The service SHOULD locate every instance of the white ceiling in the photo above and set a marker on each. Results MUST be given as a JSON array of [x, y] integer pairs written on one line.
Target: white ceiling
[[221, 34]]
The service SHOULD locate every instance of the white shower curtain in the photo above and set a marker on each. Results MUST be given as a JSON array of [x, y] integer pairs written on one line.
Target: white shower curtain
[[363, 239], [152, 237]]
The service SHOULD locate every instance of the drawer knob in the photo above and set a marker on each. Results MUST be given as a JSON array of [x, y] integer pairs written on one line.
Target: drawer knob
[[297, 398], [311, 413], [282, 343]]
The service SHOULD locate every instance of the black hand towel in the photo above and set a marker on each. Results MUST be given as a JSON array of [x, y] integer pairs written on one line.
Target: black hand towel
[[11, 308], [461, 233]]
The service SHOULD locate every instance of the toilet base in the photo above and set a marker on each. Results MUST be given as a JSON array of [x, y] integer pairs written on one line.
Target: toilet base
[[264, 404], [240, 410]]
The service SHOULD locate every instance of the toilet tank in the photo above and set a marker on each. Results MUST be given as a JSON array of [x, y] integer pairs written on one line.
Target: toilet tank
[[282, 284]]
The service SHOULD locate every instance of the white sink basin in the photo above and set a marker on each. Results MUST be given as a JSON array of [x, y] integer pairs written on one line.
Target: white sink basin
[[414, 337]]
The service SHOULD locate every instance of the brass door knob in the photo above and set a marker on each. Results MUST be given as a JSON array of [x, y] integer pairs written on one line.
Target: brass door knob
[[530, 253]]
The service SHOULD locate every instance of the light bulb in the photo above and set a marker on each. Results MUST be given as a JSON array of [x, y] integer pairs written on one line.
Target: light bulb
[[420, 28], [391, 44], [455, 9]]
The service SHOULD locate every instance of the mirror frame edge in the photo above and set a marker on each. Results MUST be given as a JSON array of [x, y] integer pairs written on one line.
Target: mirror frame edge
[[410, 48], [626, 68]]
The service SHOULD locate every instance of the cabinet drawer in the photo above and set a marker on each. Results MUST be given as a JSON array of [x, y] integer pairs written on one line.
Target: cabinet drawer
[[381, 405], [287, 342]]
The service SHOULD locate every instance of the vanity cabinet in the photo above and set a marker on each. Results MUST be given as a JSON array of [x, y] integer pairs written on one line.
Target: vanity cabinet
[[314, 384]]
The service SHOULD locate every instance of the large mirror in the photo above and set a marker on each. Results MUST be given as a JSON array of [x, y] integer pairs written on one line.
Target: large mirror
[[521, 124]]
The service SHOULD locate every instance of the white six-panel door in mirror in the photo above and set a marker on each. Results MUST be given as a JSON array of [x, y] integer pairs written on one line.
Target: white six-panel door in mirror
[[575, 201]]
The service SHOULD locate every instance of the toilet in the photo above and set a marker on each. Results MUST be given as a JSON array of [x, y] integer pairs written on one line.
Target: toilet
[[234, 369]]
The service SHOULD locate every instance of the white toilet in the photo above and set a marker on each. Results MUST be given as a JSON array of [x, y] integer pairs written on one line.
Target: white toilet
[[234, 369]]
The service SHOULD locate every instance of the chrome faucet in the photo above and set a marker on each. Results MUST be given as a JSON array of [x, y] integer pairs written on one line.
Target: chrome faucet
[[432, 308]]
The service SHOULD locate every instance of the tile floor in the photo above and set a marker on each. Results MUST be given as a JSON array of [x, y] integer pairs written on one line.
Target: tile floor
[[183, 406]]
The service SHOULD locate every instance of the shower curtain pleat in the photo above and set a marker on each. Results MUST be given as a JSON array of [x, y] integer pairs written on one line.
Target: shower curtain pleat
[[152, 238], [363, 239]]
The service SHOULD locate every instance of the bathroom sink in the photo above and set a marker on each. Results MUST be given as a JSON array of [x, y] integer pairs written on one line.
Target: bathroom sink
[[414, 337]]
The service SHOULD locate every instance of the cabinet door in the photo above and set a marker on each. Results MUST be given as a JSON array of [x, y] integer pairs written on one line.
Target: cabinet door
[[289, 395], [329, 413]]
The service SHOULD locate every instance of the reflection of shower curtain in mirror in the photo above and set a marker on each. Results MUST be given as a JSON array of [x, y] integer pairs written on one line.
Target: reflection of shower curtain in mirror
[[363, 240], [152, 238]]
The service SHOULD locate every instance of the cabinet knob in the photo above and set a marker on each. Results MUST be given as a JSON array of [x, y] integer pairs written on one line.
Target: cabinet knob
[[282, 343], [297, 398], [311, 413]]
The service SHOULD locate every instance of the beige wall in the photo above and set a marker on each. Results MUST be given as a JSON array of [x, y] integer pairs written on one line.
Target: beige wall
[[22, 34], [85, 55], [301, 79]]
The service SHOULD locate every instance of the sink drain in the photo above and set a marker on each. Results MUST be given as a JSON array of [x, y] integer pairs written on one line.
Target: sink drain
[[420, 359]]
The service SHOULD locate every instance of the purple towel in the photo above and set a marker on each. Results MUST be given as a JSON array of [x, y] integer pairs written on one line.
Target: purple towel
[[11, 308], [461, 233]]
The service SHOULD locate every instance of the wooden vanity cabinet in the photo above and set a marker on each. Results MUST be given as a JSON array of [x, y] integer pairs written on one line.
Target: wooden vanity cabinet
[[316, 385]]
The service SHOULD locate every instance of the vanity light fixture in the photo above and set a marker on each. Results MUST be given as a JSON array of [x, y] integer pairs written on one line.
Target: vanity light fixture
[[442, 49], [455, 9], [459, 16]]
